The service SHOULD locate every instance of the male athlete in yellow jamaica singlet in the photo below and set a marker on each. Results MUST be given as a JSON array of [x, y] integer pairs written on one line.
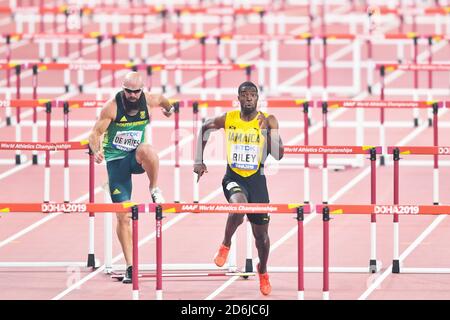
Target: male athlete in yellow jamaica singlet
[[250, 136], [123, 121]]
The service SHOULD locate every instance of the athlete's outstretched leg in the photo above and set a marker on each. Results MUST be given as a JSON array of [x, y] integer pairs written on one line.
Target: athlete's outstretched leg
[[262, 242], [123, 230], [234, 220]]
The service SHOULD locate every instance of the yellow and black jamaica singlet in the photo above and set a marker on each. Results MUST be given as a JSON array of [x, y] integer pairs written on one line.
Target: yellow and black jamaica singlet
[[126, 132], [245, 144]]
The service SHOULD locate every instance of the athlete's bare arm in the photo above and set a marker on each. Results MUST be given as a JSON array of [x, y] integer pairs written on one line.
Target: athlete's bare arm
[[274, 142], [158, 100], [209, 126], [107, 115]]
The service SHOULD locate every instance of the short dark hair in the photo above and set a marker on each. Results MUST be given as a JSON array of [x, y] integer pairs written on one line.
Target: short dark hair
[[247, 84]]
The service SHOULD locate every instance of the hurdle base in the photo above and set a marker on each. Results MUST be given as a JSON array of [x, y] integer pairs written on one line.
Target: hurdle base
[[201, 267], [173, 267], [91, 261], [373, 266], [33, 264], [396, 266], [249, 265], [319, 269], [427, 270]]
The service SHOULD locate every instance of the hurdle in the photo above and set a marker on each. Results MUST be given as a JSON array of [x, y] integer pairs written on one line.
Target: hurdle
[[58, 146], [373, 209], [359, 131], [325, 151], [434, 67], [241, 208], [203, 105], [325, 40], [81, 68], [49, 105], [230, 266], [435, 151], [382, 105], [301, 105], [270, 63], [68, 208], [406, 17], [400, 40]]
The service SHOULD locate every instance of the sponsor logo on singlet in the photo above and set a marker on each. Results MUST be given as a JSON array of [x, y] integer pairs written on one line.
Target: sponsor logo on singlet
[[244, 156]]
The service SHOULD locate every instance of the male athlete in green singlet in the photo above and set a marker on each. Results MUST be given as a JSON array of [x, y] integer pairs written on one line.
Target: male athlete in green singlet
[[123, 123]]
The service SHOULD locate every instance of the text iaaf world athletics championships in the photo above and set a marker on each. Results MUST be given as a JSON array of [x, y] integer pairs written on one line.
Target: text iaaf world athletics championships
[[321, 149], [50, 147], [227, 208]]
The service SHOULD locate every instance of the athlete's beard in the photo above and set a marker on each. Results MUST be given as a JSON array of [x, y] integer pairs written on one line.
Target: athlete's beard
[[248, 111], [131, 105]]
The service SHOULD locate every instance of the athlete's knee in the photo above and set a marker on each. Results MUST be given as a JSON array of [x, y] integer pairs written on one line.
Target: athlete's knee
[[238, 197], [123, 218], [262, 240], [261, 234], [146, 152], [237, 218]]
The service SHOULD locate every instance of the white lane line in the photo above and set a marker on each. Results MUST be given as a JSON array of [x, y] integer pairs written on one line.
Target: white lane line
[[19, 234], [80, 199], [273, 247], [166, 226], [332, 199], [47, 218], [293, 231], [376, 284], [209, 197], [349, 185]]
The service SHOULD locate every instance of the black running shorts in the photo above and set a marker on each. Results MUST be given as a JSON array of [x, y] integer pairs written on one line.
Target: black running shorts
[[254, 188]]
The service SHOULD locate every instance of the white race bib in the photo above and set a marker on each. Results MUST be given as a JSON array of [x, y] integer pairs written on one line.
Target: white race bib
[[244, 156], [127, 140]]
